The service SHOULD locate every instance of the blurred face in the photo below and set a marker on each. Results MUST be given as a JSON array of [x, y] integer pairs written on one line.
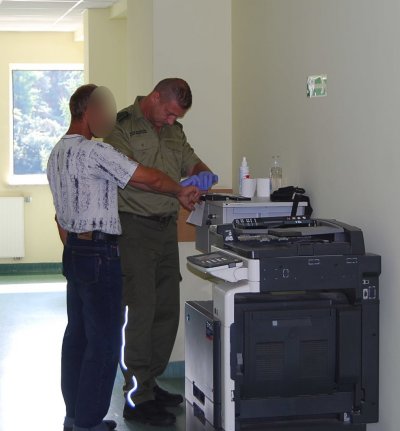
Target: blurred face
[[165, 112], [101, 113]]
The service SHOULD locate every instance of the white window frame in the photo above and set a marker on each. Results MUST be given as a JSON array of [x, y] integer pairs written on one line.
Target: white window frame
[[29, 179]]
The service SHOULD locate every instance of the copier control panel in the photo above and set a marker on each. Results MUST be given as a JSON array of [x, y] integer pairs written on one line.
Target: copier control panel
[[224, 266], [216, 259]]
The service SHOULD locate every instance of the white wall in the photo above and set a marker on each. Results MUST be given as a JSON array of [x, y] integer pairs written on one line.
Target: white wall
[[119, 49], [344, 149], [106, 52], [139, 47]]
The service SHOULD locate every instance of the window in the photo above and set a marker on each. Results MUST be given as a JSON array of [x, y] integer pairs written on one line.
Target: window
[[39, 116]]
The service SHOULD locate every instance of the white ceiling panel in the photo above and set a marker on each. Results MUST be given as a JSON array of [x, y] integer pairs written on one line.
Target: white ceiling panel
[[47, 15]]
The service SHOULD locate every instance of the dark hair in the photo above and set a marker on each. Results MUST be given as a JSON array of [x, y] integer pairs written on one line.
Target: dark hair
[[78, 102], [175, 89]]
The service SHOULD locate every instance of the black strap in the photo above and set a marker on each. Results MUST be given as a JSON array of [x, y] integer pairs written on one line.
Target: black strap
[[301, 198], [295, 205]]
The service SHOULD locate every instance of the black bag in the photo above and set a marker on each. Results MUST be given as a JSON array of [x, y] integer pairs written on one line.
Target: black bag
[[295, 195]]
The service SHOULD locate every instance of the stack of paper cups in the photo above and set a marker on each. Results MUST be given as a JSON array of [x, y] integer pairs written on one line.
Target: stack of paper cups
[[263, 187], [249, 187]]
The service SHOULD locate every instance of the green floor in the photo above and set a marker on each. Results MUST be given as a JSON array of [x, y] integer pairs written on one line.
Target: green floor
[[31, 279], [32, 322]]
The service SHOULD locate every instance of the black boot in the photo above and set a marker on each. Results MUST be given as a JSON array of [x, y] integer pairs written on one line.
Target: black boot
[[166, 399], [111, 426], [149, 412]]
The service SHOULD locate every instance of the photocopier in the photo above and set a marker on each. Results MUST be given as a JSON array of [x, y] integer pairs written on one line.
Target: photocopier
[[290, 340]]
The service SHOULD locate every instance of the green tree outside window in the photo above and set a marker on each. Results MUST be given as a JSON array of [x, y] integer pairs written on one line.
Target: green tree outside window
[[40, 115]]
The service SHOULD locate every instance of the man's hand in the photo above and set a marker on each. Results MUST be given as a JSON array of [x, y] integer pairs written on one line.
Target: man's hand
[[151, 179], [203, 180], [62, 232], [194, 180], [207, 179], [188, 196]]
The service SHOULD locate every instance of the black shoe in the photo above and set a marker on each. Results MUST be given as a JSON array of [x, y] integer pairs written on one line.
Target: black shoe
[[111, 426], [167, 399], [149, 413]]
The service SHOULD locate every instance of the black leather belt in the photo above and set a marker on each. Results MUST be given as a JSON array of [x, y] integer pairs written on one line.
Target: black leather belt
[[158, 219], [95, 235]]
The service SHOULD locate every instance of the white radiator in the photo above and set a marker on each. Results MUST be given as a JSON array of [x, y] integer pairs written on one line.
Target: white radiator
[[12, 243]]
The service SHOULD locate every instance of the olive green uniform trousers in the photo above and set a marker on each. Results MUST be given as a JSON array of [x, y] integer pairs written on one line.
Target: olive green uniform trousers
[[151, 277]]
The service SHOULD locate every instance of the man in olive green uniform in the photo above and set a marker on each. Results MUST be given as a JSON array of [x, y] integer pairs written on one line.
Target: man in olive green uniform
[[149, 133]]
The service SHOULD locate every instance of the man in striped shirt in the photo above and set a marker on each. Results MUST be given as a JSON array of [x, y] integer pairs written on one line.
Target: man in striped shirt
[[84, 176]]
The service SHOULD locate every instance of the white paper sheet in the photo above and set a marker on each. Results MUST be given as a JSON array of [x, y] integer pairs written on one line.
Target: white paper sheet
[[196, 216]]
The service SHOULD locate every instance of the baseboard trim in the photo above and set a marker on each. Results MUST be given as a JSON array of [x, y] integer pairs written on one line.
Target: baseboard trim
[[30, 268], [175, 370]]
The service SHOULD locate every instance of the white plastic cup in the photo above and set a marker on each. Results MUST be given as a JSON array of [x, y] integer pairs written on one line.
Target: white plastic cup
[[263, 187], [249, 187]]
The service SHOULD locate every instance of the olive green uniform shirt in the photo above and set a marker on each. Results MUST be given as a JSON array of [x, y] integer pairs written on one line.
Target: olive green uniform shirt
[[167, 151]]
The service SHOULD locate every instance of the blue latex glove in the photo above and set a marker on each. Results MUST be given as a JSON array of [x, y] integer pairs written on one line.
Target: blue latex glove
[[194, 180], [204, 180], [207, 179]]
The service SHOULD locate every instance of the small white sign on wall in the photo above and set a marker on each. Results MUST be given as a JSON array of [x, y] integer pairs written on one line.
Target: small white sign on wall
[[317, 86]]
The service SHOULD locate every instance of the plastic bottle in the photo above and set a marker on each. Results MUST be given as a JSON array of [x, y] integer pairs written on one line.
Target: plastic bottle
[[276, 174], [244, 172]]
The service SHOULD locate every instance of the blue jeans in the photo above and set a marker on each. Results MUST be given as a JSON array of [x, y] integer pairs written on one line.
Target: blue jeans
[[92, 339]]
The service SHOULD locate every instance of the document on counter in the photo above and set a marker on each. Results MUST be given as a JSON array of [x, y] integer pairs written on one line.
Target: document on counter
[[196, 216]]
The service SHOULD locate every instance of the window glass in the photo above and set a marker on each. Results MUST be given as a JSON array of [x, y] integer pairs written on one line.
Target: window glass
[[40, 115]]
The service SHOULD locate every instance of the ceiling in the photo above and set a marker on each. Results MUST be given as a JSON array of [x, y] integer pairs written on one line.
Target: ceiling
[[46, 15]]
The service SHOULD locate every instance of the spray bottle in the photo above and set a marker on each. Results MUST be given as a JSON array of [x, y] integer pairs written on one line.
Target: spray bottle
[[244, 172]]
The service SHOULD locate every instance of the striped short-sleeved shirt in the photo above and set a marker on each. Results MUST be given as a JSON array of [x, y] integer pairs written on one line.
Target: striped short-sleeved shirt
[[84, 176]]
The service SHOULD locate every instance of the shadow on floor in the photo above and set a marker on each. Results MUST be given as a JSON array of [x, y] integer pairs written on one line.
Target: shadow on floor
[[31, 331]]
